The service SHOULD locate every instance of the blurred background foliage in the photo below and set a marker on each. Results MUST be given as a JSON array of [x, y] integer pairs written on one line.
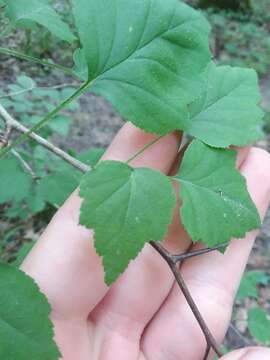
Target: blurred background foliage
[[240, 31]]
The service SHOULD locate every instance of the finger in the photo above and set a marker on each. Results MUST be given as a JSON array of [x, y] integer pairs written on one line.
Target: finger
[[254, 353], [212, 279], [141, 281], [242, 154], [64, 261]]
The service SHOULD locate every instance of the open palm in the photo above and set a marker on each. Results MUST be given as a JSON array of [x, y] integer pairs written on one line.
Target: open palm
[[143, 315]]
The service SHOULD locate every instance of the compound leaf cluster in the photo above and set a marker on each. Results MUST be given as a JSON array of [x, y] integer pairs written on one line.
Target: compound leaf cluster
[[154, 65], [151, 60]]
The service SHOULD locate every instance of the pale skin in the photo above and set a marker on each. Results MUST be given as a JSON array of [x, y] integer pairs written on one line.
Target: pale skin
[[143, 316]]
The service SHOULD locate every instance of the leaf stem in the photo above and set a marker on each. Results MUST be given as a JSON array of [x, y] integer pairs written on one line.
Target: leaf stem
[[190, 254], [210, 340], [43, 121], [29, 58], [145, 147], [20, 92]]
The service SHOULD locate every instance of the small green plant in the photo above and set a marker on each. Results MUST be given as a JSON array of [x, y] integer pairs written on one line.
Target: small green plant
[[259, 325], [258, 320], [154, 65], [240, 39], [31, 166]]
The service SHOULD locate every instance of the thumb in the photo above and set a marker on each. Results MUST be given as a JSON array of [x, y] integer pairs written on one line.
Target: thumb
[[252, 353]]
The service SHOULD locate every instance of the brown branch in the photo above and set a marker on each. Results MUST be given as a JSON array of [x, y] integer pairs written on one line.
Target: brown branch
[[11, 122], [190, 254], [210, 340], [207, 352]]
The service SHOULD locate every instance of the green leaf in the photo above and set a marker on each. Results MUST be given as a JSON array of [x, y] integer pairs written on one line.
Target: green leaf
[[216, 203], [26, 332], [126, 208], [35, 202], [259, 325], [60, 124], [26, 82], [56, 187], [228, 112], [16, 211], [80, 64], [248, 286], [22, 253], [41, 13], [11, 174], [145, 57], [91, 157]]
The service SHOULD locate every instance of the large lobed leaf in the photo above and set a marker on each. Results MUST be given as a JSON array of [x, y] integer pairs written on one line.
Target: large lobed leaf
[[216, 203], [38, 11], [26, 332], [126, 208], [228, 113], [145, 56]]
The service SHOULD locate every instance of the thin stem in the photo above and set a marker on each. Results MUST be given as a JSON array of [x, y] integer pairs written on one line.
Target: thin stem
[[12, 123], [238, 333], [20, 92], [26, 57], [195, 310], [188, 255], [182, 285], [145, 147], [43, 121], [207, 352], [24, 164]]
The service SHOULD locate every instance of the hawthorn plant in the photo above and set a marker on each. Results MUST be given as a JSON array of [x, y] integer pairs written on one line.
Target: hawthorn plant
[[151, 60]]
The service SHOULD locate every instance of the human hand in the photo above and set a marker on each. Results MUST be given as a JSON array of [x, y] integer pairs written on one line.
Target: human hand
[[143, 315]]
